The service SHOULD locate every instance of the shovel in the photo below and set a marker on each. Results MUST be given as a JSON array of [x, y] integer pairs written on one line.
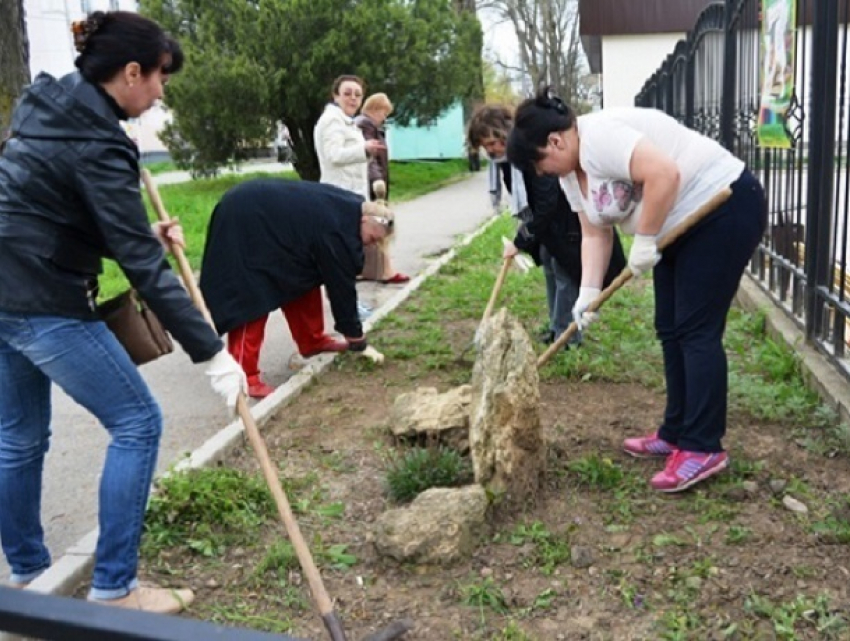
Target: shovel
[[329, 617], [626, 275]]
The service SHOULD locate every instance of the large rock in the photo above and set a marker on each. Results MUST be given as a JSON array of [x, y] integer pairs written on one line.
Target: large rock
[[437, 417], [441, 526], [505, 436]]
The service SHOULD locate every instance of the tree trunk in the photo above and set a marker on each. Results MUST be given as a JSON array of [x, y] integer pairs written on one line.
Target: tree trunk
[[14, 58]]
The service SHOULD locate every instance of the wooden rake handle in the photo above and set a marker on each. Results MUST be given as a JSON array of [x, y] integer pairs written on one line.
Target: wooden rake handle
[[626, 275], [320, 595], [497, 287]]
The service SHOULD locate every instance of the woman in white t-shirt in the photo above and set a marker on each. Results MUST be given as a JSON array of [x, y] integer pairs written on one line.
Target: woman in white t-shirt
[[641, 170]]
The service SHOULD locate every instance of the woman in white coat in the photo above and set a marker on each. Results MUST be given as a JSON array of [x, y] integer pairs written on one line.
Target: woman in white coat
[[342, 150]]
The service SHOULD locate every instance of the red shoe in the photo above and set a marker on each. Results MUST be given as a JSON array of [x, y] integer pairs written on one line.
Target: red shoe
[[396, 278], [327, 344], [259, 389]]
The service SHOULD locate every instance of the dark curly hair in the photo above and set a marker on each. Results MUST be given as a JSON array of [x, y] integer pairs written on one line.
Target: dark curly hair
[[108, 41]]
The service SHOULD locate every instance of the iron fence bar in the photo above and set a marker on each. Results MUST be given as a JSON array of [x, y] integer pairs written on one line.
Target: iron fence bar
[[690, 89], [821, 161], [55, 618], [730, 70]]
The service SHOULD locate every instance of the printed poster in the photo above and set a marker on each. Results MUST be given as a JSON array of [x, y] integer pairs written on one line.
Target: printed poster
[[779, 18]]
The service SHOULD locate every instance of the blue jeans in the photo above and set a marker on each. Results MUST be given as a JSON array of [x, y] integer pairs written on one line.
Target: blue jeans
[[561, 295], [695, 282], [87, 362]]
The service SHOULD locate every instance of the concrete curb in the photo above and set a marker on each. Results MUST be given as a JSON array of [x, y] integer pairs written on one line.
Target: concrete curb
[[820, 375], [72, 569]]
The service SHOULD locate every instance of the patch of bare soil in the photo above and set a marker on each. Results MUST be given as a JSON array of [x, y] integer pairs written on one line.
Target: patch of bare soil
[[643, 566]]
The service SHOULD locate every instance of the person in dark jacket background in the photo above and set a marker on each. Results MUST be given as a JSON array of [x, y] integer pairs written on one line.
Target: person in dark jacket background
[[549, 230], [374, 113], [271, 244], [69, 196]]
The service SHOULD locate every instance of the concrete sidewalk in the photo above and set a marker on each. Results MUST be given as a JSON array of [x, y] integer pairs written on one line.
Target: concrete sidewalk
[[426, 228]]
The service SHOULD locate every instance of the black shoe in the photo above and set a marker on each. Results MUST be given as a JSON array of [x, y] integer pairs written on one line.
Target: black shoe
[[547, 337]]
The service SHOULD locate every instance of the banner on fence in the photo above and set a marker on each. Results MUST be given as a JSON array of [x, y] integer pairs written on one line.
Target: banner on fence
[[777, 72]]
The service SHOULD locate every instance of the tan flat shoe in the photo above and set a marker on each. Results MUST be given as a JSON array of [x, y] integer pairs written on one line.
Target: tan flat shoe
[[153, 599]]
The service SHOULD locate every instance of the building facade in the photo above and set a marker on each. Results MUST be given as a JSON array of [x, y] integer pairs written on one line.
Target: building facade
[[52, 50], [627, 41]]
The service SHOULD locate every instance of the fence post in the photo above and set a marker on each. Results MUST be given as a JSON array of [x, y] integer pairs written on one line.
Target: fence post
[[690, 87], [821, 160], [730, 75], [669, 94]]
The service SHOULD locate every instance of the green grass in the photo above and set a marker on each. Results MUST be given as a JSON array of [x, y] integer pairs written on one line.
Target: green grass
[[419, 469], [157, 168], [192, 203]]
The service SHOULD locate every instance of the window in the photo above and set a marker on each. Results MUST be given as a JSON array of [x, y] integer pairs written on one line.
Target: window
[[85, 6]]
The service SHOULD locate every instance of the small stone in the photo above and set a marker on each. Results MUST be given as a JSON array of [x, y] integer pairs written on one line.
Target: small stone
[[693, 582], [581, 556], [794, 505], [777, 486], [750, 486], [485, 572], [212, 584]]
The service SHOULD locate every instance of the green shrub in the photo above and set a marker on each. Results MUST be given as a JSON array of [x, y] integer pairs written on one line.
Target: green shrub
[[422, 468]]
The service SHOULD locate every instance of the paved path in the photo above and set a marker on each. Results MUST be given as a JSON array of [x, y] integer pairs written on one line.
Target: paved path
[[427, 226]]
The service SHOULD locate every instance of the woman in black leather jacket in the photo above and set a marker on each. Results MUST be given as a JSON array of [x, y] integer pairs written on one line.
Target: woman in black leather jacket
[[69, 196]]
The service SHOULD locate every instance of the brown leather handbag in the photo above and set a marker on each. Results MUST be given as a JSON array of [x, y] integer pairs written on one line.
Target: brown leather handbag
[[136, 327]]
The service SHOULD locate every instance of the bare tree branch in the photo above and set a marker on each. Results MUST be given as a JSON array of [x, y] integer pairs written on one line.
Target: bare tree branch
[[548, 41]]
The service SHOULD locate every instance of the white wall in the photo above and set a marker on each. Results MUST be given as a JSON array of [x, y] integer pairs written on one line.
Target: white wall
[[627, 61], [52, 50]]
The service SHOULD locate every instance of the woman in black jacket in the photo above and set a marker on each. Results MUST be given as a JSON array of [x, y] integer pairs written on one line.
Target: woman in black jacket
[[69, 196], [549, 230], [272, 244]]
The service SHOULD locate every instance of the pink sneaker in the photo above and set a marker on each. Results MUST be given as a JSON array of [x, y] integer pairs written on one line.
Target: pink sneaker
[[648, 447], [685, 469]]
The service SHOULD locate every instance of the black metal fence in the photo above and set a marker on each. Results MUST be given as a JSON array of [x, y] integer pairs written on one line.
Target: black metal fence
[[54, 618], [713, 82]]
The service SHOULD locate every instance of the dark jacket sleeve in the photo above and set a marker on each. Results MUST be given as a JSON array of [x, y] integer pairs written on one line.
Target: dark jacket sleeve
[[545, 193], [108, 181], [339, 274]]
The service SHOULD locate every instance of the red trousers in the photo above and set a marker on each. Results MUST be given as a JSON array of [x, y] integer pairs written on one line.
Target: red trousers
[[306, 319]]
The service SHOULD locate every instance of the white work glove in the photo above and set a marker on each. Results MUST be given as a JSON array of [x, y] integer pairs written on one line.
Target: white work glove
[[372, 354], [644, 255], [361, 347], [227, 377], [582, 317]]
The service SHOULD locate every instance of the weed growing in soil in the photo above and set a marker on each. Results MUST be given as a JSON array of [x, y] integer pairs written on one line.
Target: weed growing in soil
[[411, 473], [549, 549], [484, 594], [205, 510]]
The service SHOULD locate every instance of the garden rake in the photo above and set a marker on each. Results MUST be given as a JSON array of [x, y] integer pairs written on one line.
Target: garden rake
[[323, 602], [626, 275]]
